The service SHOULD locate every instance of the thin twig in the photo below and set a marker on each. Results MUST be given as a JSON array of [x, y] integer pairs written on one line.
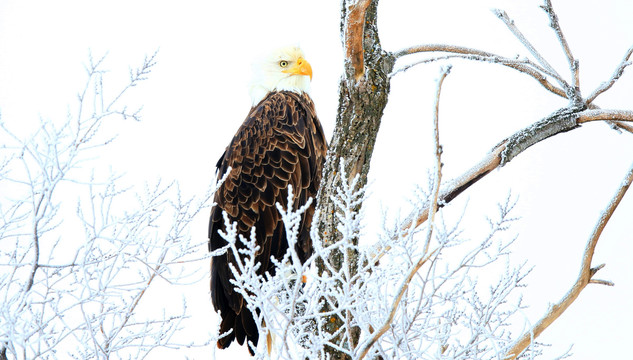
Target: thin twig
[[438, 157], [425, 253], [524, 66], [573, 64], [616, 75], [396, 302], [622, 126], [519, 35], [490, 162], [584, 278]]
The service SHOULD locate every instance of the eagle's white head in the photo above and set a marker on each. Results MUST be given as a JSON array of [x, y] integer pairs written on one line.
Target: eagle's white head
[[283, 69]]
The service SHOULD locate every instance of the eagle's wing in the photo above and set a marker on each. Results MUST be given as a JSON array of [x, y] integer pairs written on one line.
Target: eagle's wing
[[280, 143]]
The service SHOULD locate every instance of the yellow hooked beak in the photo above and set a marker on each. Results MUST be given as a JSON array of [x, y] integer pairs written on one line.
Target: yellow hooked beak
[[301, 67]]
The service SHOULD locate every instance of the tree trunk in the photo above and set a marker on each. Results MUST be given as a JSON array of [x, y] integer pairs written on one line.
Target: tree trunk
[[363, 93]]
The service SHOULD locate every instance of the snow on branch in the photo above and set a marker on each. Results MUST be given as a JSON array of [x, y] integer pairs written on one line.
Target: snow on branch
[[524, 65], [549, 69], [604, 86], [573, 63], [411, 304], [80, 254], [540, 70]]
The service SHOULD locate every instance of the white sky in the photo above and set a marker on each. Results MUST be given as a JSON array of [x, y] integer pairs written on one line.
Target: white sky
[[196, 98]]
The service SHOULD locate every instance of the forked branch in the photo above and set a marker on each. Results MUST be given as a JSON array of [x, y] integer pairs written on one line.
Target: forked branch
[[524, 66], [584, 278], [539, 71], [526, 43], [560, 121], [578, 112]]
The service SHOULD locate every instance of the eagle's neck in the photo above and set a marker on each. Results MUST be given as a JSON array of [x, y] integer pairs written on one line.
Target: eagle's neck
[[296, 84]]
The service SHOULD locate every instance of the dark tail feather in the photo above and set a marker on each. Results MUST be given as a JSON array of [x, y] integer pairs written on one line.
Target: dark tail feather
[[228, 322], [243, 326]]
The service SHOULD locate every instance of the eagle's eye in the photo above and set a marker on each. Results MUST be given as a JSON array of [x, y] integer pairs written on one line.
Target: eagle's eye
[[283, 63]]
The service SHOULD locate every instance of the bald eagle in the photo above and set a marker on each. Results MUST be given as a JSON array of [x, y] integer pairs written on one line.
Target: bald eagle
[[280, 143]]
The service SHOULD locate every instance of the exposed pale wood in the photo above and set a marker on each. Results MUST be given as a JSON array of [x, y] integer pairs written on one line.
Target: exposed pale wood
[[354, 34]]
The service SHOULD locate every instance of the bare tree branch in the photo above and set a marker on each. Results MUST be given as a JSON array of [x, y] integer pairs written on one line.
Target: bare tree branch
[[604, 114], [615, 77], [441, 48], [584, 278], [560, 121], [563, 120], [524, 66], [622, 126], [519, 35], [573, 64], [438, 158]]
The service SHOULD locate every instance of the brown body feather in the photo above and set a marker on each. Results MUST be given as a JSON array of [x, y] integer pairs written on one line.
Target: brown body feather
[[280, 143]]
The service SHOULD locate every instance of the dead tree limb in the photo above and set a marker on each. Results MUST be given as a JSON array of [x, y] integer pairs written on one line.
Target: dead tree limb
[[524, 66], [528, 45], [560, 121], [584, 278], [615, 77], [573, 63], [578, 111]]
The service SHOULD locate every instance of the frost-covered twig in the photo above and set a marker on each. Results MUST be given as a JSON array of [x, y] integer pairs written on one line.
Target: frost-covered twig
[[432, 295], [438, 158], [604, 86], [396, 302], [503, 16], [525, 66], [573, 63], [426, 255], [74, 279], [395, 305]]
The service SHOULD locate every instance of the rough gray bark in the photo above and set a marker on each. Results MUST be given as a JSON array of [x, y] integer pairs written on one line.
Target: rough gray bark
[[363, 93], [361, 105]]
